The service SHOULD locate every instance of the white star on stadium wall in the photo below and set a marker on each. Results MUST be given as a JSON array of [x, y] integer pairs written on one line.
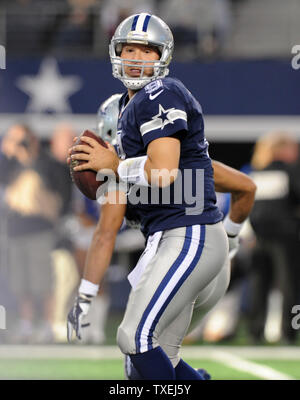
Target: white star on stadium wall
[[49, 90]]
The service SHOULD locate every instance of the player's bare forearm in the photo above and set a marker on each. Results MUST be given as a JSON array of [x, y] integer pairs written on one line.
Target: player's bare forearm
[[98, 258], [161, 166], [102, 246], [241, 187], [241, 205]]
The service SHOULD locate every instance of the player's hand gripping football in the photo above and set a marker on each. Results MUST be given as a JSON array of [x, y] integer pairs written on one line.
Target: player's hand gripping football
[[77, 315], [96, 156]]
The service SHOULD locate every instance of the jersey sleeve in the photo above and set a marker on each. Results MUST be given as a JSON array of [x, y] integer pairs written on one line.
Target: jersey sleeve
[[161, 113]]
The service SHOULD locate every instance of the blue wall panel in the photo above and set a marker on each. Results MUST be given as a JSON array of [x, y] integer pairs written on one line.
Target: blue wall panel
[[239, 87]]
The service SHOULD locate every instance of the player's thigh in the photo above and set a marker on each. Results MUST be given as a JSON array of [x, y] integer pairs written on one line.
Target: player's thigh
[[140, 297], [171, 338], [171, 281], [210, 295]]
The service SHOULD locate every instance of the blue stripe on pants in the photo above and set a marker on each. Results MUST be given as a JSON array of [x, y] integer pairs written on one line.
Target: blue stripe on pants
[[168, 276], [163, 284], [178, 285]]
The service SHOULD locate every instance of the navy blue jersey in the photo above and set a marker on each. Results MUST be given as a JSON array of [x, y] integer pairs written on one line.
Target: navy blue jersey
[[165, 108]]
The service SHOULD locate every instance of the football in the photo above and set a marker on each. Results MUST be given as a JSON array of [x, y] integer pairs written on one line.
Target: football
[[86, 180]]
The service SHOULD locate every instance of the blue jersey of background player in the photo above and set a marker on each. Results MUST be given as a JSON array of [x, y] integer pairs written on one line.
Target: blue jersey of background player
[[166, 108]]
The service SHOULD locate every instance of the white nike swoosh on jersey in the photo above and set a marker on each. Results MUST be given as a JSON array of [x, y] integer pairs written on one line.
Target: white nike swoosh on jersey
[[153, 96]]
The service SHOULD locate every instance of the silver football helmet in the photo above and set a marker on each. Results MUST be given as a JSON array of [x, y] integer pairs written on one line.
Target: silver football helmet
[[107, 118], [147, 30]]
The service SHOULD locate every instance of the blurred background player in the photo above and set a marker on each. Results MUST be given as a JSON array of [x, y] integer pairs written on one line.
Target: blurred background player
[[65, 268], [275, 221], [88, 213]]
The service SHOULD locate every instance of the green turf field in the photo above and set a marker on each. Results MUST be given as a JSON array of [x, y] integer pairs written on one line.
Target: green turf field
[[88, 362], [92, 369]]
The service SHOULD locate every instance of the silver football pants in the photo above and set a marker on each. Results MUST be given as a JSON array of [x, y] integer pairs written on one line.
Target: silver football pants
[[183, 270]]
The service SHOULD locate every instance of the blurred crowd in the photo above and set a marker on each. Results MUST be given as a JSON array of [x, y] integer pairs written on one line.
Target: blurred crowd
[[70, 27], [265, 281], [45, 231], [47, 225]]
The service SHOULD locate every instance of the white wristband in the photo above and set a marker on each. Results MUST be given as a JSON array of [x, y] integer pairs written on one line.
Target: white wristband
[[232, 228], [132, 170], [87, 287]]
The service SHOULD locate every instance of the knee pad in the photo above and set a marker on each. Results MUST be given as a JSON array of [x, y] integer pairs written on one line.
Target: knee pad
[[126, 340]]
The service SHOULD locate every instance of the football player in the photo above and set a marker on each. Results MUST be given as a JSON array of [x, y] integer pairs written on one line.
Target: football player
[[226, 180], [160, 142]]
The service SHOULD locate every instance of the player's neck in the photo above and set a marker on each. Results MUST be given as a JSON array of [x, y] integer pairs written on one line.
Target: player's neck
[[131, 93]]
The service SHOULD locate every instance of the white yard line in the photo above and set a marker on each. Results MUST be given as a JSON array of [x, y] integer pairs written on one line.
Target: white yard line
[[252, 352], [100, 352], [32, 352], [233, 356], [238, 363]]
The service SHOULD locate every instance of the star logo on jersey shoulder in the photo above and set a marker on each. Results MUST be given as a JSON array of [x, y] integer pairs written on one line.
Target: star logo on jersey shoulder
[[164, 116]]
